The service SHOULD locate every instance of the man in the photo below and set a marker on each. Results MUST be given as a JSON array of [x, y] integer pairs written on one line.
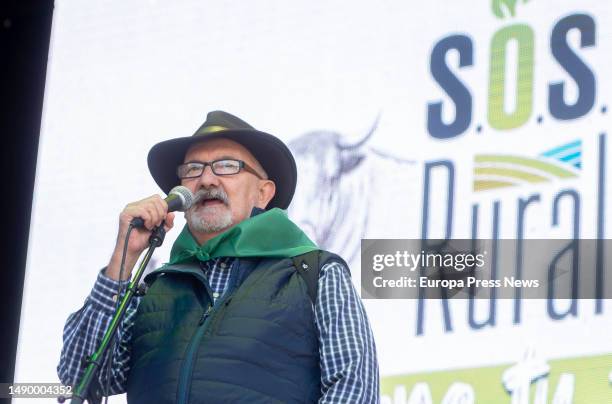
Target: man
[[229, 319]]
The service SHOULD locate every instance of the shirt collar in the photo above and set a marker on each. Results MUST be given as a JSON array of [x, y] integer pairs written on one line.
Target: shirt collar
[[219, 262]]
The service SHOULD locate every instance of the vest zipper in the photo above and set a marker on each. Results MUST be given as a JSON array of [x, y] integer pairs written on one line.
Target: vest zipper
[[219, 314], [184, 382], [187, 368], [204, 316]]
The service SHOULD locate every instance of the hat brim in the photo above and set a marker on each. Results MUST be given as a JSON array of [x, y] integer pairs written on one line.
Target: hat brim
[[273, 155]]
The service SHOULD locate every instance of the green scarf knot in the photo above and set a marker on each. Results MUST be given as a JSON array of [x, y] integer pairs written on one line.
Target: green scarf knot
[[268, 234]]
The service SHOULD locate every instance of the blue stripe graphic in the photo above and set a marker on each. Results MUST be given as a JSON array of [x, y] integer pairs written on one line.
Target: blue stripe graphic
[[560, 149], [570, 156]]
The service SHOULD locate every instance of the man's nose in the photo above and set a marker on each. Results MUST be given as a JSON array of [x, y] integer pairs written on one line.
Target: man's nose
[[208, 178]]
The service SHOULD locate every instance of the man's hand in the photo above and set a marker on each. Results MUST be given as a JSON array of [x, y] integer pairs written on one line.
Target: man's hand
[[152, 210]]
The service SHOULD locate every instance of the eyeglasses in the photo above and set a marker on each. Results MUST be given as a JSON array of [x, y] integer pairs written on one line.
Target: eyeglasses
[[194, 169]]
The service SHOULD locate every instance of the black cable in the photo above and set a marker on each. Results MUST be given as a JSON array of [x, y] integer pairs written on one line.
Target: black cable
[[119, 293]]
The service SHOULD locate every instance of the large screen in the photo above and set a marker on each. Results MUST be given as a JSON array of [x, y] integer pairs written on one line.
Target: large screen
[[436, 119]]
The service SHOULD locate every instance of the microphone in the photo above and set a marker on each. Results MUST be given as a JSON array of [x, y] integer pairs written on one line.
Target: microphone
[[179, 198]]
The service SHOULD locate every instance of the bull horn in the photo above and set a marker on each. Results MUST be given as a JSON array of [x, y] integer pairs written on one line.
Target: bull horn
[[361, 142]]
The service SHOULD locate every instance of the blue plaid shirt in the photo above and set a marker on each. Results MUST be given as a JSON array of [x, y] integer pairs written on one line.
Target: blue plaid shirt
[[349, 369]]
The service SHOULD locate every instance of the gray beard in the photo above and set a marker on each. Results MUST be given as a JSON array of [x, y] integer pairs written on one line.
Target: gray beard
[[212, 225], [218, 221]]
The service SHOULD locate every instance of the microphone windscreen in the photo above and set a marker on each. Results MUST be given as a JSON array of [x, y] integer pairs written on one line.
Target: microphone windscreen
[[184, 196]]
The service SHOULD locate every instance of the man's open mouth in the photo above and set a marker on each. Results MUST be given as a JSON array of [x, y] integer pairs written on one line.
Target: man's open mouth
[[212, 201]]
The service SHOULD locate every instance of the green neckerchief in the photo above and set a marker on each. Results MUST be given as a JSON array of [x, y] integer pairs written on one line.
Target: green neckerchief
[[268, 234]]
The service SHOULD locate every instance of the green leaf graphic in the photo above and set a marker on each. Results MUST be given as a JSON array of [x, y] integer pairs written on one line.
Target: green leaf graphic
[[502, 7]]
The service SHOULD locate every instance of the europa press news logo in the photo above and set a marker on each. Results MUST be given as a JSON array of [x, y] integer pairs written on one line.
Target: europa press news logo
[[496, 171]]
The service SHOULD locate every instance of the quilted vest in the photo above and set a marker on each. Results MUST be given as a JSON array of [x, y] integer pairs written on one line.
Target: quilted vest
[[257, 344]]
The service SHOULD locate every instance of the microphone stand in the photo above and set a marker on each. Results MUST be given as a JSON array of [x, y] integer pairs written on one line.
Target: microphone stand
[[94, 362]]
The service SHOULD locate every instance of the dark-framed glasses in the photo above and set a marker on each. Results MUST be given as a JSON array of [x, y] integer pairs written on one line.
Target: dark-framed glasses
[[193, 169]]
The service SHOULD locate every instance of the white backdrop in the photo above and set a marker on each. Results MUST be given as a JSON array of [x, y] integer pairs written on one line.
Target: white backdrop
[[125, 75]]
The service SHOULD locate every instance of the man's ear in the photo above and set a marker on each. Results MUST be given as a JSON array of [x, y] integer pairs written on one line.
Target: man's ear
[[267, 189]]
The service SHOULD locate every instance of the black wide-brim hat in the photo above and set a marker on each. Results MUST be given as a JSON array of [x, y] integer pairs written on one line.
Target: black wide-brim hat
[[273, 155]]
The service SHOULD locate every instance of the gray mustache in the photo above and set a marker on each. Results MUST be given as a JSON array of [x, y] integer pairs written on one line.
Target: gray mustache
[[211, 193]]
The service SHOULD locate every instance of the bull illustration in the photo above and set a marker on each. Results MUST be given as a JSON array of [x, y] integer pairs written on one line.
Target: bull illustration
[[347, 192]]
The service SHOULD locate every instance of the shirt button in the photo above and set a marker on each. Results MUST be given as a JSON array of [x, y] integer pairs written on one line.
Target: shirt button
[[215, 295], [223, 265]]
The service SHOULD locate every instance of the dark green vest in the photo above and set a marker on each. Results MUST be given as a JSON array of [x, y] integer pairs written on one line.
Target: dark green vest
[[257, 344]]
